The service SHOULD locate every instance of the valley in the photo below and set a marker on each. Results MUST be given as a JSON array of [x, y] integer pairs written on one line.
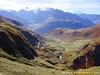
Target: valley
[[66, 44]]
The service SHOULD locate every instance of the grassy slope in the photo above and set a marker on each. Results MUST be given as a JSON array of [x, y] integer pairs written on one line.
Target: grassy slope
[[10, 67], [13, 68], [90, 71], [66, 45], [39, 66], [70, 48]]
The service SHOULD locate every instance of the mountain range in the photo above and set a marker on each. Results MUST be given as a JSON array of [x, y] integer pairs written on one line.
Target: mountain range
[[43, 21], [95, 18]]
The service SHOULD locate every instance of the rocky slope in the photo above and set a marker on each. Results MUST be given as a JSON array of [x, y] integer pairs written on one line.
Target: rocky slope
[[34, 38], [88, 56], [69, 34], [14, 42]]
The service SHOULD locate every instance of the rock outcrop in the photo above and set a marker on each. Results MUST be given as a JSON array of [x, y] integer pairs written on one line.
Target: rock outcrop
[[15, 43], [88, 56]]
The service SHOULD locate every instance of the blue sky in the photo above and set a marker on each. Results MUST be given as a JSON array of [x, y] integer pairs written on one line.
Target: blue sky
[[86, 6]]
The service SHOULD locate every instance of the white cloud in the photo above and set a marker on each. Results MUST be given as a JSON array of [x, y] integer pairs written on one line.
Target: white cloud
[[11, 4], [21, 4], [66, 5]]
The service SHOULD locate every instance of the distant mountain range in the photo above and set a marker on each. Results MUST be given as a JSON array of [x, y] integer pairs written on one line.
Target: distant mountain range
[[93, 17], [43, 21], [11, 15]]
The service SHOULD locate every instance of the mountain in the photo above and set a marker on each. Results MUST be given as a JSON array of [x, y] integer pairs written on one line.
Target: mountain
[[60, 19], [88, 56], [60, 24], [43, 21], [28, 16], [70, 34], [12, 16], [93, 17]]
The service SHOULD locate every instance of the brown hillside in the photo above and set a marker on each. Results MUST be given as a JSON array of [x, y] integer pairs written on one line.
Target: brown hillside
[[88, 56], [69, 34], [14, 43]]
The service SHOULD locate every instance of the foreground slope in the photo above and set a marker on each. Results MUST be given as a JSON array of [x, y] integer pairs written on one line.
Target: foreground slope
[[16, 46], [14, 52], [88, 56], [14, 43], [9, 67]]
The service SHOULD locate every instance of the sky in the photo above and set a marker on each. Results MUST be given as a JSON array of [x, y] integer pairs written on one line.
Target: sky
[[85, 6]]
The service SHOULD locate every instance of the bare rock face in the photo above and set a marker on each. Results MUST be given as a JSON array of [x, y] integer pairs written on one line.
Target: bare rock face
[[83, 62], [96, 55], [89, 56], [14, 43]]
